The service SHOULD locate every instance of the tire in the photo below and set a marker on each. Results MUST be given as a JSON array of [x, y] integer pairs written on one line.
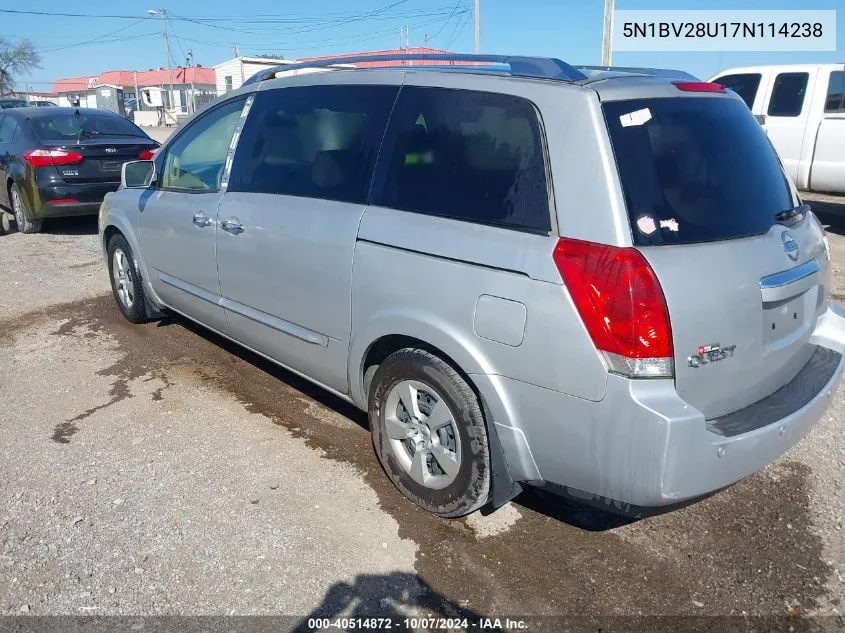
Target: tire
[[25, 225], [126, 280], [5, 223], [445, 471]]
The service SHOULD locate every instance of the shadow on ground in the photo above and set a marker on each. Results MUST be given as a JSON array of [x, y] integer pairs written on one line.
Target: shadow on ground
[[394, 597], [85, 225], [554, 506], [831, 211]]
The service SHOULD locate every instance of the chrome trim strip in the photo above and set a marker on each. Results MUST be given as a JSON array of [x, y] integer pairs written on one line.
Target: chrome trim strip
[[786, 277], [191, 289], [275, 323]]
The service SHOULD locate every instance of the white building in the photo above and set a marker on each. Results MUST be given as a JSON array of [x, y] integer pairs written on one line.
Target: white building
[[231, 75]]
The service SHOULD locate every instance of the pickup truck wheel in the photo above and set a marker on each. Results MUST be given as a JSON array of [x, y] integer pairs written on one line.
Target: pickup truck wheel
[[126, 280], [429, 433], [25, 225]]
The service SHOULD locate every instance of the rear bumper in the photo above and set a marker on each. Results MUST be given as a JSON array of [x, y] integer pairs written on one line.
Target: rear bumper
[[644, 446], [86, 197]]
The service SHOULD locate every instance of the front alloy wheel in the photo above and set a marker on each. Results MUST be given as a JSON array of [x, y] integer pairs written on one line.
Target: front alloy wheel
[[124, 282]]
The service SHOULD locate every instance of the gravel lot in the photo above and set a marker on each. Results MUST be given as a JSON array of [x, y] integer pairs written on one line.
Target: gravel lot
[[159, 470]]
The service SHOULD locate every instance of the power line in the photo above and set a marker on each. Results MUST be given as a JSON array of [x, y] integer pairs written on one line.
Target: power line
[[70, 15], [456, 32], [95, 39], [440, 30], [178, 42], [94, 43], [333, 23], [253, 18], [344, 39]]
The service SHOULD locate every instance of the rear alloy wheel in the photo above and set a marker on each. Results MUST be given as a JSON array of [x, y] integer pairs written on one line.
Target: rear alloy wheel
[[126, 281], [25, 225], [429, 433], [5, 223]]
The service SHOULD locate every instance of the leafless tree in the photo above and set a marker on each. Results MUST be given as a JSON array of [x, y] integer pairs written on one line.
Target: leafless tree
[[16, 59]]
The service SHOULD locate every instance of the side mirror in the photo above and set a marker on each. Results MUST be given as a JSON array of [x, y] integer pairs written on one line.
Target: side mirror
[[761, 118], [138, 174]]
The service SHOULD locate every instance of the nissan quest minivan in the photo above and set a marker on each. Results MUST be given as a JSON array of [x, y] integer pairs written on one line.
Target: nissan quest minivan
[[602, 283]]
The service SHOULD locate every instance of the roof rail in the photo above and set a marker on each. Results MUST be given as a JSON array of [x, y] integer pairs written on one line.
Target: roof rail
[[519, 66], [654, 72]]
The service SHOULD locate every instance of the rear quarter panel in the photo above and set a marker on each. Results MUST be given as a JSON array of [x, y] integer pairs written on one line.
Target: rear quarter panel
[[428, 277]]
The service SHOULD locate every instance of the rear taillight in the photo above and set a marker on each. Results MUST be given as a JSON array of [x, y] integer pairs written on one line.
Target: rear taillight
[[47, 157], [698, 86], [147, 154], [621, 304]]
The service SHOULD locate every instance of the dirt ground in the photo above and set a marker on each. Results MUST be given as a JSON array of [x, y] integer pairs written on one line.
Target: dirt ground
[[157, 469]]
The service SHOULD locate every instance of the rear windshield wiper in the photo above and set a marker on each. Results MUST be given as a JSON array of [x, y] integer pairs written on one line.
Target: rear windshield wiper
[[117, 134], [794, 212]]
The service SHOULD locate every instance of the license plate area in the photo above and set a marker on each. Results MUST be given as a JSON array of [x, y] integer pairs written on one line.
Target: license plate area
[[111, 165], [787, 321]]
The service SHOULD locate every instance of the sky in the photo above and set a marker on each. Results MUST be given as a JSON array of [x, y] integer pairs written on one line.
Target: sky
[[130, 39]]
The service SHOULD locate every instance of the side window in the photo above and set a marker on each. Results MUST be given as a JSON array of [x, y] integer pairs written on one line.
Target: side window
[[745, 85], [788, 94], [313, 141], [466, 155], [835, 92], [8, 129], [194, 162]]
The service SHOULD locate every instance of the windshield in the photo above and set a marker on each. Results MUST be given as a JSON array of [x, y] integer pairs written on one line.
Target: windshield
[[695, 169], [73, 127]]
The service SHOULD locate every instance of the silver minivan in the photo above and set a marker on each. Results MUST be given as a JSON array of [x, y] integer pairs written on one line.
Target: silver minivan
[[602, 283]]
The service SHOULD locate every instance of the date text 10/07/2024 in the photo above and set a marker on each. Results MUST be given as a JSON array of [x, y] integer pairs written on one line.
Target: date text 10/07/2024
[[421, 623]]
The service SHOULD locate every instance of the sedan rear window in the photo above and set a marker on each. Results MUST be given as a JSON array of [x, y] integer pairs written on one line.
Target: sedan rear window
[[73, 127], [695, 169]]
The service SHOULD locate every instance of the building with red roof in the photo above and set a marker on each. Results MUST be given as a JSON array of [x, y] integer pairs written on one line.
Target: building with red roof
[[183, 88]]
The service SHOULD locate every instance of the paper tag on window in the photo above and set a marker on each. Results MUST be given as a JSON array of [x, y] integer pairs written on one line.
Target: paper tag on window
[[638, 117]]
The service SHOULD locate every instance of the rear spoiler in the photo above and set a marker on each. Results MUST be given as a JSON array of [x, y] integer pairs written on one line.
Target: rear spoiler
[[606, 72]]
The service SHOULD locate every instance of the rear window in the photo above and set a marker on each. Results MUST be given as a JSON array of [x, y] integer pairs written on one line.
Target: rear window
[[695, 169], [745, 85], [73, 127], [788, 94], [835, 101]]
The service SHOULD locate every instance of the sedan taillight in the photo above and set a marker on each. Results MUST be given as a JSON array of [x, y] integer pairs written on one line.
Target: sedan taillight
[[47, 157], [147, 154]]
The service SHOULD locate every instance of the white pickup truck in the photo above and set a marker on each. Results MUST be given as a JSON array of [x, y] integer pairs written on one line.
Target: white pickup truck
[[802, 109]]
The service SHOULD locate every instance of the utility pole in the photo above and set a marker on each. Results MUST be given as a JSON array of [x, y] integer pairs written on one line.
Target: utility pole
[[163, 14], [606, 43], [477, 26], [189, 62]]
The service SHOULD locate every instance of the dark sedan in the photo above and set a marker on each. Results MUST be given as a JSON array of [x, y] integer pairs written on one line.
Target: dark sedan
[[57, 162]]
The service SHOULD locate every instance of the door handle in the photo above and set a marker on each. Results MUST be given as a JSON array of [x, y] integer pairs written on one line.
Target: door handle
[[201, 219], [232, 226]]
